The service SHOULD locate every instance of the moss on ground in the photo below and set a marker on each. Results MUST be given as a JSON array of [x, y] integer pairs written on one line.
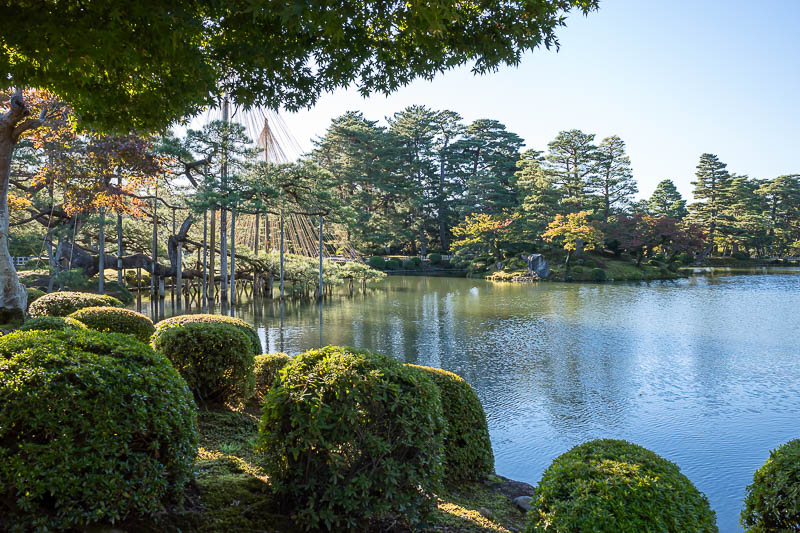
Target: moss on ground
[[231, 492]]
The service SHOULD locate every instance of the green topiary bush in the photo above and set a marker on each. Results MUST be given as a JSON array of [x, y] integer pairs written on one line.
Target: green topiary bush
[[416, 261], [741, 256], [772, 502], [266, 369], [34, 294], [435, 259], [93, 428], [468, 452], [377, 262], [409, 264], [353, 439], [614, 486], [597, 274], [246, 328], [394, 264], [65, 303], [113, 320], [51, 323], [215, 358]]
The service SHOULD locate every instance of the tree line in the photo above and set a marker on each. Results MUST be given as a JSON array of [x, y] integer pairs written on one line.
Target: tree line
[[428, 181]]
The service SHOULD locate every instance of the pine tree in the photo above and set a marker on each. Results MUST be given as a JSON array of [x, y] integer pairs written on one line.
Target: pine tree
[[666, 201], [712, 182], [614, 179], [782, 197], [489, 155], [572, 165]]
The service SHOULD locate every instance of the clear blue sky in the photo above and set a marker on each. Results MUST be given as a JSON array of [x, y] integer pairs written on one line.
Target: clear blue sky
[[673, 78]]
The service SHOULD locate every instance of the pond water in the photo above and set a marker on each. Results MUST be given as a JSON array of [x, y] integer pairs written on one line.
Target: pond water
[[703, 371]]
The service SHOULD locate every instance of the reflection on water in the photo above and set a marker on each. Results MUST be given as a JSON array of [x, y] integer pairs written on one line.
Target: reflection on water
[[703, 371]]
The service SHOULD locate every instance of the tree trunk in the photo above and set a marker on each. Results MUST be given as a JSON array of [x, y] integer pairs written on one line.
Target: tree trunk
[[13, 298], [101, 253], [233, 257], [212, 271]]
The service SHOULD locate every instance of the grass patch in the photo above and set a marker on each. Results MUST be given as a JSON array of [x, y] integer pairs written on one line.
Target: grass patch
[[231, 492]]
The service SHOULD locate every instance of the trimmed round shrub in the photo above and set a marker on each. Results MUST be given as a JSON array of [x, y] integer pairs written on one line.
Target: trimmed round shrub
[[93, 428], [377, 262], [577, 269], [409, 264], [467, 449], [52, 323], [266, 370], [741, 256], [113, 320], [615, 486], [597, 274], [215, 359], [435, 259], [66, 303], [772, 502], [416, 261], [394, 264], [246, 328], [34, 294], [353, 439]]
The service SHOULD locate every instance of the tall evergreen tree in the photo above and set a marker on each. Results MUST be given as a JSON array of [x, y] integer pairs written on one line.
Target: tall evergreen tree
[[713, 180], [572, 165], [449, 127], [489, 157], [364, 159], [614, 179], [666, 201], [782, 197], [539, 199]]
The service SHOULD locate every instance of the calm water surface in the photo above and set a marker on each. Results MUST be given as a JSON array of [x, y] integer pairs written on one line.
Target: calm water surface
[[704, 371]]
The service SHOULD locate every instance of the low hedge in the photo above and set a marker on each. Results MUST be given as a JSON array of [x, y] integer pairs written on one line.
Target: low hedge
[[34, 294], [772, 502], [66, 303], [468, 452], [51, 323], [597, 274], [353, 440], [215, 358], [113, 320], [615, 486], [266, 370], [377, 262], [394, 264], [246, 328], [435, 259], [93, 428]]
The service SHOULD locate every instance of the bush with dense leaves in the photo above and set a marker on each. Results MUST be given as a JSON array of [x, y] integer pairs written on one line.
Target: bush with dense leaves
[[435, 259], [409, 264], [467, 449], [215, 358], [34, 294], [377, 262], [394, 264], [772, 502], [66, 303], [113, 320], [51, 323], [266, 369], [246, 328], [93, 428], [614, 486], [597, 274], [353, 439]]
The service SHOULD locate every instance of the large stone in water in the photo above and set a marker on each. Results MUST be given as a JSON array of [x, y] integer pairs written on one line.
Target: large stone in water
[[537, 265]]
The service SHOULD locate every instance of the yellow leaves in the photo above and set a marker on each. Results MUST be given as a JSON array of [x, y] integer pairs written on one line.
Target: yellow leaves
[[573, 228], [17, 203]]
